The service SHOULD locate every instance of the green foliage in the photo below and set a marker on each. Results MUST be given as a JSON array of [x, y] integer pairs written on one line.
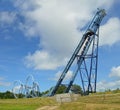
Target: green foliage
[[10, 95], [45, 92], [76, 89], [61, 89], [6, 95]]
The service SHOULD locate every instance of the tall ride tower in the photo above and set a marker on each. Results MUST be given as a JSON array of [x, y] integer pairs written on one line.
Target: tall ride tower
[[85, 53]]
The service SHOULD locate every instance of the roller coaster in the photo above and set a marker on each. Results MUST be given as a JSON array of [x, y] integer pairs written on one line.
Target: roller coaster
[[85, 54], [28, 90]]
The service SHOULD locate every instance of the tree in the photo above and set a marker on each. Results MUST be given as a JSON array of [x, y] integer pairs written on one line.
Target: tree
[[6, 95], [61, 89], [76, 89], [44, 93]]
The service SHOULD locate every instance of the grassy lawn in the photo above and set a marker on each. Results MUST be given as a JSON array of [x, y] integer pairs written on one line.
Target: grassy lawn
[[91, 102], [24, 104], [94, 102]]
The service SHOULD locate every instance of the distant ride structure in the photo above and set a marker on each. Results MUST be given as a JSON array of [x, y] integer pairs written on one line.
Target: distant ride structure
[[86, 57], [18, 88], [31, 87], [28, 90]]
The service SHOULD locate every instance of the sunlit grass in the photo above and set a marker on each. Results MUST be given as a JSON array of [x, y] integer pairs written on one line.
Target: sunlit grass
[[94, 102], [25, 104], [91, 102]]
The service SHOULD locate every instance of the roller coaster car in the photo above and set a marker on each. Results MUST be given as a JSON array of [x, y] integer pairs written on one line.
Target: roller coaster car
[[89, 33]]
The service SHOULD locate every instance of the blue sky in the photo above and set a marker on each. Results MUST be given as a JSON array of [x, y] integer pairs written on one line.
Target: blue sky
[[38, 37]]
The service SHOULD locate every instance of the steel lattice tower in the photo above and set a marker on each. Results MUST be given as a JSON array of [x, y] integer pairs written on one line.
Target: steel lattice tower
[[88, 68], [85, 53]]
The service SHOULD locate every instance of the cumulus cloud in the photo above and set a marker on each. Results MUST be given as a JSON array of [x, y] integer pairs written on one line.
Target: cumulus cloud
[[109, 33], [115, 83], [115, 72], [42, 60], [104, 85], [59, 25]]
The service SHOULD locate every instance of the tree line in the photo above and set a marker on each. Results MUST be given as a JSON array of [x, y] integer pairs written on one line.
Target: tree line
[[9, 95], [76, 89]]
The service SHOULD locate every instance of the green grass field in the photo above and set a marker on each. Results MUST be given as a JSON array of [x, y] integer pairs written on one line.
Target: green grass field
[[91, 102]]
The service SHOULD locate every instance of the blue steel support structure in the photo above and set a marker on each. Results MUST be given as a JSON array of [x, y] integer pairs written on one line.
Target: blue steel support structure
[[80, 54]]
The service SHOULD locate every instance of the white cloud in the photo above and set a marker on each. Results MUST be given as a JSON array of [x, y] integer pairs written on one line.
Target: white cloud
[[67, 77], [109, 33], [115, 72], [115, 83], [104, 85], [42, 60], [56, 22]]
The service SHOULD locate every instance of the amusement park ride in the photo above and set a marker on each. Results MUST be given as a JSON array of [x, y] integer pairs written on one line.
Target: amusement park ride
[[86, 49], [84, 58], [29, 89]]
